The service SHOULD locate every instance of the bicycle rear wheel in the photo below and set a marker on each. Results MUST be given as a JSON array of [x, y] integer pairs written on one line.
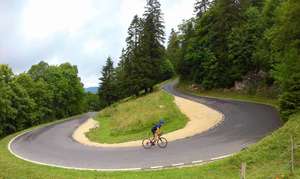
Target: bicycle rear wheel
[[147, 144], [162, 142]]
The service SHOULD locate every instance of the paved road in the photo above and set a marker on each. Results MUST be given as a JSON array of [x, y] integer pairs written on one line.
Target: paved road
[[244, 123]]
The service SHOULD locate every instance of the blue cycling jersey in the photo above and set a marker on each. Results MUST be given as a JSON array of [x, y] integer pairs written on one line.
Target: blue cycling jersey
[[157, 126]]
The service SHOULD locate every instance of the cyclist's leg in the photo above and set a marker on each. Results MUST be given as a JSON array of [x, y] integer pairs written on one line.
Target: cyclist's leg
[[153, 135], [157, 133], [156, 136]]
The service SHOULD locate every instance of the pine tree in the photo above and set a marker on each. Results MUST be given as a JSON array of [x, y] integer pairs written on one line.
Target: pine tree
[[107, 88], [121, 63], [152, 49], [134, 33], [132, 71], [187, 32], [154, 23], [173, 49], [286, 45], [201, 6], [257, 3]]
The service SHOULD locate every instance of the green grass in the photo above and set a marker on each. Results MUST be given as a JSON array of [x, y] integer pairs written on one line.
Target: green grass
[[229, 94], [267, 159], [132, 119]]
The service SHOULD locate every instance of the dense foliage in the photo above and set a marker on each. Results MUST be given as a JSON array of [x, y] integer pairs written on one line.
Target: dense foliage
[[143, 62], [43, 94], [252, 42]]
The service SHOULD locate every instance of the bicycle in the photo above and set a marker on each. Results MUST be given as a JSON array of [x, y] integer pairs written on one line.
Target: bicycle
[[149, 142]]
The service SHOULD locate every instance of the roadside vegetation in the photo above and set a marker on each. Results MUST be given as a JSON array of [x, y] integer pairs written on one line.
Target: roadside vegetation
[[45, 93], [251, 46], [228, 94], [133, 118], [269, 158]]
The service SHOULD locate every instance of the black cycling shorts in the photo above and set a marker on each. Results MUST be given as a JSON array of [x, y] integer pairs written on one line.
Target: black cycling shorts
[[153, 130]]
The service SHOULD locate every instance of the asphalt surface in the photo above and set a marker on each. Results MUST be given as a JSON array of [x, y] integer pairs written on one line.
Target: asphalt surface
[[244, 123]]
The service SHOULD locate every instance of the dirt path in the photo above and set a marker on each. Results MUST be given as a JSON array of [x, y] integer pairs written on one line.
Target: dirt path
[[201, 118]]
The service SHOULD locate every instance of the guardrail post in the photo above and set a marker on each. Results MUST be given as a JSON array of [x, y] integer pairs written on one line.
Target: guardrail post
[[243, 171], [292, 155]]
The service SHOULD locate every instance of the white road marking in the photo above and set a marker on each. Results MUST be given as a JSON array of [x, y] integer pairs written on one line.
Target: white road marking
[[221, 157], [197, 161], [156, 167], [60, 166], [89, 169], [177, 164]]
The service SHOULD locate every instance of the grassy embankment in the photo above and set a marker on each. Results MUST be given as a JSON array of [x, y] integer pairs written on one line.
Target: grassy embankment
[[268, 158], [228, 94], [132, 119]]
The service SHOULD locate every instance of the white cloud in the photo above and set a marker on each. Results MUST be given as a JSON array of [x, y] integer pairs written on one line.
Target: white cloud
[[92, 46], [90, 82], [175, 11], [43, 18], [128, 9], [54, 60], [82, 32]]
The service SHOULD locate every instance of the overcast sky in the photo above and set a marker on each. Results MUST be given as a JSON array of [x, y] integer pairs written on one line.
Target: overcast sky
[[82, 32]]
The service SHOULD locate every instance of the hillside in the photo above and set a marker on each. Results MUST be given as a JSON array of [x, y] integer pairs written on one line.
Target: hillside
[[93, 90], [268, 158], [140, 114]]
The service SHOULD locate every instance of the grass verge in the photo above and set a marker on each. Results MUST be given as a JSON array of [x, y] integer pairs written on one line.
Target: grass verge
[[227, 94], [132, 120]]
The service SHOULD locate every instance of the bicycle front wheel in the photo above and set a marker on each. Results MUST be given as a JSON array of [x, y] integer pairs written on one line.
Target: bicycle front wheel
[[162, 142], [147, 144]]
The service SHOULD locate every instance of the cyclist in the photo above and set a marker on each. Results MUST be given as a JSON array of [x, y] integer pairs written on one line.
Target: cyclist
[[156, 130]]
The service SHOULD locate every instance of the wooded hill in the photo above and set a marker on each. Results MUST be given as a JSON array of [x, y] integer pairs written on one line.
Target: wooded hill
[[43, 94], [255, 43]]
